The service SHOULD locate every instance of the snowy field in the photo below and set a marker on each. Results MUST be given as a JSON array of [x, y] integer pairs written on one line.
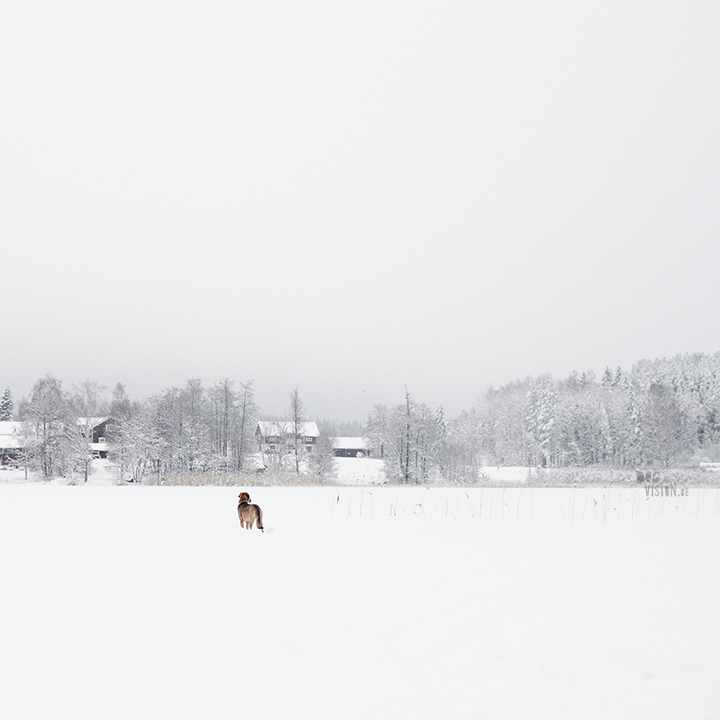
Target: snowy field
[[359, 471], [151, 602]]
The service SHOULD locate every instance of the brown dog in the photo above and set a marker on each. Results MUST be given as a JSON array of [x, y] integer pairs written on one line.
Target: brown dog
[[248, 513]]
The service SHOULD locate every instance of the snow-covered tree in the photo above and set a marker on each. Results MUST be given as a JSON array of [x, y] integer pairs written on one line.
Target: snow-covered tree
[[223, 401], [6, 406], [144, 446], [85, 406], [45, 428], [296, 419], [121, 412], [405, 437], [321, 461], [195, 450], [666, 435], [459, 444], [541, 420], [245, 422]]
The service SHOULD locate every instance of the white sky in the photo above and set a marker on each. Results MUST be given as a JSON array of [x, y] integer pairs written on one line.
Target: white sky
[[355, 197]]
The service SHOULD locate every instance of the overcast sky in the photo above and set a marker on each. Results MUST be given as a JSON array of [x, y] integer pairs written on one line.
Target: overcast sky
[[355, 197]]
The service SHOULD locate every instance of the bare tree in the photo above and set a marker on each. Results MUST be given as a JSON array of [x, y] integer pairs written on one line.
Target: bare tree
[[246, 417], [406, 438], [322, 460], [85, 406], [120, 414], [143, 443], [196, 450], [296, 418], [666, 434], [223, 406]]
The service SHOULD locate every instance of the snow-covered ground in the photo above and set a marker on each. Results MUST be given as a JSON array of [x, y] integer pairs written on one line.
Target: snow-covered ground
[[359, 471], [377, 602], [515, 475]]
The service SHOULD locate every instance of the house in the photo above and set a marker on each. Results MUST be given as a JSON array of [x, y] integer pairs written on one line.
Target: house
[[11, 442], [279, 437], [350, 447], [100, 428]]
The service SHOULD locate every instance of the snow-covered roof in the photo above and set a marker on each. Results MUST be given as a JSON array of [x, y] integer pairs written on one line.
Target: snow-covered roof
[[349, 443], [10, 434], [277, 429], [92, 422]]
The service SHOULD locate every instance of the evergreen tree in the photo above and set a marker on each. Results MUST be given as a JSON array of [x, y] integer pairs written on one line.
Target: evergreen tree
[[541, 415], [6, 406]]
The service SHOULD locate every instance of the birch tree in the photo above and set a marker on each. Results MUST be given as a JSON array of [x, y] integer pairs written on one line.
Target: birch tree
[[120, 413], [297, 420], [222, 417], [246, 419], [85, 406]]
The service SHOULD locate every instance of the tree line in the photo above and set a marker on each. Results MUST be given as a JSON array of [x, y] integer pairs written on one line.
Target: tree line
[[193, 428], [661, 413], [190, 429]]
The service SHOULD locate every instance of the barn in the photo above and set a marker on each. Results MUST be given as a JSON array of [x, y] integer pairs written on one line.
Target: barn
[[350, 447]]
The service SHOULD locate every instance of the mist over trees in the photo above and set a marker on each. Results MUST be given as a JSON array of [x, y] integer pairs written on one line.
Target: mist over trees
[[189, 429], [418, 444], [660, 413]]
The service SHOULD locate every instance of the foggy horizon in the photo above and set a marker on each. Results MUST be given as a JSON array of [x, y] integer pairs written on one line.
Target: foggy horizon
[[355, 200], [282, 398]]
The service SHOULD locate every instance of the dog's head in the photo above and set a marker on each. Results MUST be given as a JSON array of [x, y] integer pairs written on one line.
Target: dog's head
[[244, 497]]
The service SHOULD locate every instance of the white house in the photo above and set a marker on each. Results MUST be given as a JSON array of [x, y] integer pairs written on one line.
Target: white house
[[277, 437], [11, 441]]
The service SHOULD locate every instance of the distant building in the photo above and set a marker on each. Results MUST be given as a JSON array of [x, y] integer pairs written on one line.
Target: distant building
[[11, 442], [279, 437], [100, 431], [350, 447], [13, 438]]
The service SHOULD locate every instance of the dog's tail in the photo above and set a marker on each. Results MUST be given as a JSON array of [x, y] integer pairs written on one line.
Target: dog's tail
[[259, 518]]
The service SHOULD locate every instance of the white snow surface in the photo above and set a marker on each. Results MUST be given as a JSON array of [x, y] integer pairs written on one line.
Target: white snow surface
[[359, 471], [151, 602]]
